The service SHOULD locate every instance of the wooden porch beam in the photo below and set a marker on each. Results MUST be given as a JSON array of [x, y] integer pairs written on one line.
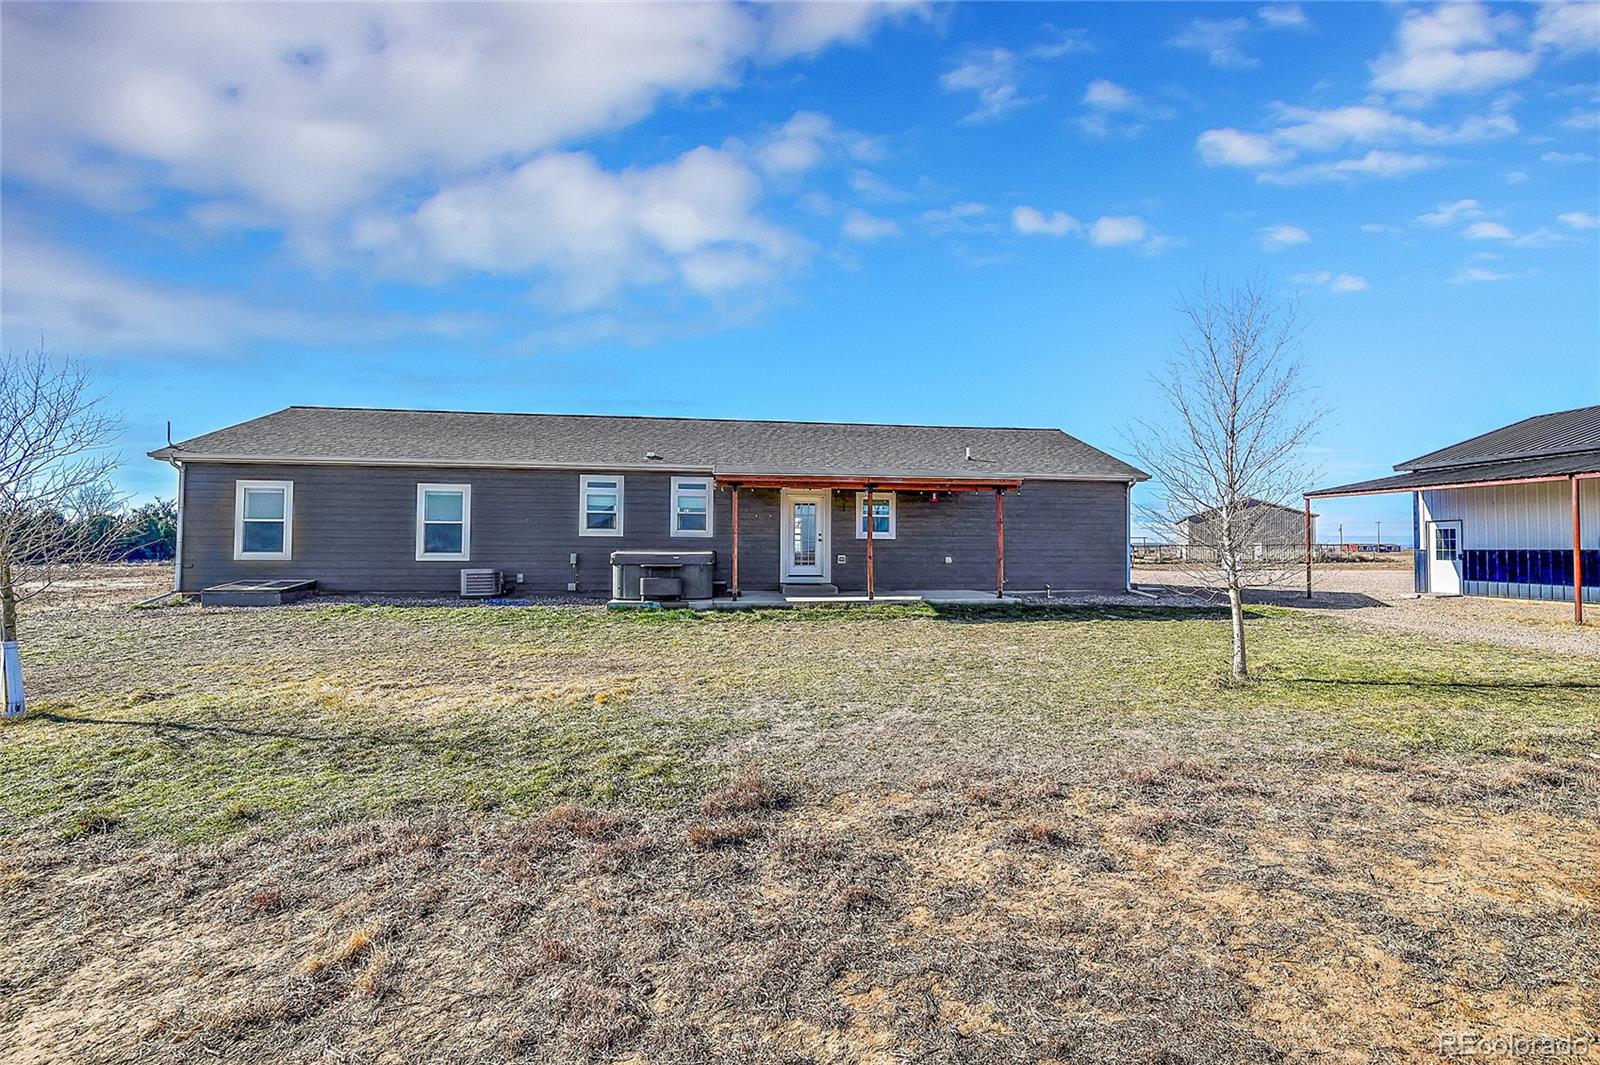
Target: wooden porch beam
[[734, 576], [870, 523], [1308, 547], [999, 543]]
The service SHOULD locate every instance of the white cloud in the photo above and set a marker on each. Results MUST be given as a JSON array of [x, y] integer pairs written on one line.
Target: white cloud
[[1116, 231], [307, 113], [1515, 177], [80, 304], [1380, 228], [1563, 158], [1487, 231], [1580, 117], [1449, 213], [1469, 274], [1110, 109], [1283, 236], [966, 217], [1061, 43], [1568, 27], [1332, 128], [1453, 48], [1283, 16], [1579, 220], [1220, 39], [993, 76], [1104, 95], [1333, 282], [1030, 221], [1107, 231], [1376, 163], [861, 226], [587, 234], [798, 145], [807, 29], [1233, 147]]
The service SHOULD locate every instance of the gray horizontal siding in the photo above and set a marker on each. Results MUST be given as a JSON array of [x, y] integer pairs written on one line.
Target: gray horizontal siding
[[354, 531]]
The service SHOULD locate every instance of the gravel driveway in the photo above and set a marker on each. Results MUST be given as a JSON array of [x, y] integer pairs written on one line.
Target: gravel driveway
[[1382, 596]]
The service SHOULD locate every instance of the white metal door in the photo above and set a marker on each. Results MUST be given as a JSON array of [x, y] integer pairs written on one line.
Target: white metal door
[[805, 536], [1444, 557]]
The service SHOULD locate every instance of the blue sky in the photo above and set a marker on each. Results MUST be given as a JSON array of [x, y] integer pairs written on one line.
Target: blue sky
[[977, 214]]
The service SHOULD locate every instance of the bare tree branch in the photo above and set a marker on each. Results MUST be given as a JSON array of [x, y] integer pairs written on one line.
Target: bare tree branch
[[1233, 450]]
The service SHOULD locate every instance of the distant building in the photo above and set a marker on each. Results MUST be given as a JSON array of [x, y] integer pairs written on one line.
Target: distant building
[[1512, 513], [1271, 530]]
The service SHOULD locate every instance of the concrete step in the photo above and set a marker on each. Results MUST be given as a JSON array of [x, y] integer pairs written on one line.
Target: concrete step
[[810, 590]]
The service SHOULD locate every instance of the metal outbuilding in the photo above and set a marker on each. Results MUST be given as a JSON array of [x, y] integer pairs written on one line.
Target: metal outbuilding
[[1512, 513]]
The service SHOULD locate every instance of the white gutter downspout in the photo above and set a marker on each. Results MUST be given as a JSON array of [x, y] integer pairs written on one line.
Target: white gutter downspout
[[177, 547]]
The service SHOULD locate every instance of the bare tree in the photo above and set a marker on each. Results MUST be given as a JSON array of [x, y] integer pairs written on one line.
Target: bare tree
[[55, 462], [1233, 451]]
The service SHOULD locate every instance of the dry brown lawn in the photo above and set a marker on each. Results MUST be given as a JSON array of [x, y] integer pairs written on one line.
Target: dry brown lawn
[[291, 835]]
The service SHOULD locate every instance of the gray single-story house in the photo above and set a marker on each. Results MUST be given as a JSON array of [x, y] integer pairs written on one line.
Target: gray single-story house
[[1511, 513], [1273, 530], [401, 501]]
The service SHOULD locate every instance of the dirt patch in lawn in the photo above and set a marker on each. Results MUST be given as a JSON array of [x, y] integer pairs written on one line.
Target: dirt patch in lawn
[[1182, 911]]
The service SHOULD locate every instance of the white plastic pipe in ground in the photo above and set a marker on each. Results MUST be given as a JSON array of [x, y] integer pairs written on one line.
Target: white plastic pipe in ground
[[11, 679]]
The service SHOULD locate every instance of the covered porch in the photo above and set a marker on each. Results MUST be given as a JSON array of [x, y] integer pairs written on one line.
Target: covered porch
[[805, 536], [1445, 542]]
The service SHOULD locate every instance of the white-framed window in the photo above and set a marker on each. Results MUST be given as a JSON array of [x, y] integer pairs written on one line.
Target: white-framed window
[[444, 522], [263, 520], [691, 506], [882, 515], [600, 504]]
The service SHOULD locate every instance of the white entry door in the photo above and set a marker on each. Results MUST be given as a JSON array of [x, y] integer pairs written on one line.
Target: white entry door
[[805, 536], [1444, 557]]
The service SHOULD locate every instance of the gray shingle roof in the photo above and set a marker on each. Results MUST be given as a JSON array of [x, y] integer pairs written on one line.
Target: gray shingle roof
[[1560, 433], [359, 435]]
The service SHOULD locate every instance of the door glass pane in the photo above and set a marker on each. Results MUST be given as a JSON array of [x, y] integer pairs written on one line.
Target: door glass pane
[[805, 534], [1444, 544], [263, 503], [263, 536], [441, 506]]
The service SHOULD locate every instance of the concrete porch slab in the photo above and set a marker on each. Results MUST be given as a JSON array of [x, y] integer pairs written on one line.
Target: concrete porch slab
[[779, 601]]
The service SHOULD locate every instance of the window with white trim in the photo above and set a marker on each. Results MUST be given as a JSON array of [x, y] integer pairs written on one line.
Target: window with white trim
[[263, 525], [444, 522], [882, 515], [691, 506], [600, 504]]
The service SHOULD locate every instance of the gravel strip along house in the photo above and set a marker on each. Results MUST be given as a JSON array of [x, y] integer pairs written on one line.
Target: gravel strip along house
[[405, 501], [1512, 513]]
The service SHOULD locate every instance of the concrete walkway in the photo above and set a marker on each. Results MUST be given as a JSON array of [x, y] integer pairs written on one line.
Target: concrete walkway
[[779, 601]]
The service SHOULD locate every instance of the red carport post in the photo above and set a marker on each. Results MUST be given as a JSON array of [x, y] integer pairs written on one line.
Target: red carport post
[[1577, 555], [1308, 547], [999, 543], [870, 523], [734, 576]]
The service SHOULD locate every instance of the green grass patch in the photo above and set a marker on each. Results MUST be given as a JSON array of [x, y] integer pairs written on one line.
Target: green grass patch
[[198, 725]]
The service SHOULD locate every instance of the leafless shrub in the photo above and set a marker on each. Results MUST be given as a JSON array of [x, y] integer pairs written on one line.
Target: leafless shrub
[[719, 834], [1367, 760], [268, 900], [744, 794], [1164, 771], [1155, 825], [1041, 833]]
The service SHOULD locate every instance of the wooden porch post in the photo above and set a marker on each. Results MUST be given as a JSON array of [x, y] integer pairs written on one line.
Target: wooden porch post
[[870, 523], [1577, 556], [999, 543], [734, 575], [1308, 547]]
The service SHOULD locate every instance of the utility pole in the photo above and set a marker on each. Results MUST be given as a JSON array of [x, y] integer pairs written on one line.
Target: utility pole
[[1379, 546], [1341, 537]]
